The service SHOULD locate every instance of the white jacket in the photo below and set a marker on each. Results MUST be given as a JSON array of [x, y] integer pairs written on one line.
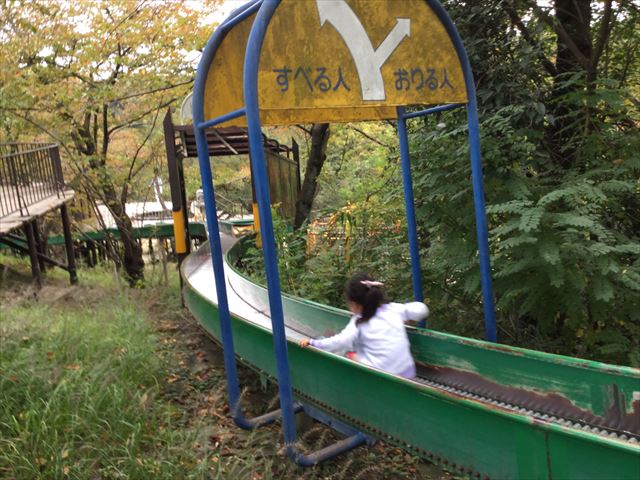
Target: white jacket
[[382, 342]]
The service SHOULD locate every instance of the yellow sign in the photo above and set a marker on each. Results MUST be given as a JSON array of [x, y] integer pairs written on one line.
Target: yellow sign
[[340, 61]]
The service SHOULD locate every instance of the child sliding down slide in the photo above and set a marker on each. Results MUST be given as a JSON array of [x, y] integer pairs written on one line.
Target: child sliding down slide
[[376, 331]]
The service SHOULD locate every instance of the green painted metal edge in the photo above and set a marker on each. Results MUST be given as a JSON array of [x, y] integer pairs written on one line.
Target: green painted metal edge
[[460, 434], [234, 226], [243, 222], [161, 230]]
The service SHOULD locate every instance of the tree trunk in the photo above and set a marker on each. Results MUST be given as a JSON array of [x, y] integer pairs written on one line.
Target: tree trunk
[[132, 252], [85, 139], [319, 138], [573, 55]]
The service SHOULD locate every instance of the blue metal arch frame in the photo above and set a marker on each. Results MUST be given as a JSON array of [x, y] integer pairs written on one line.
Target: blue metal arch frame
[[265, 10], [211, 210], [482, 231]]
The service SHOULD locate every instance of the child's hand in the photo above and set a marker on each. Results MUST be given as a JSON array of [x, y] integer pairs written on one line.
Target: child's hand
[[305, 342]]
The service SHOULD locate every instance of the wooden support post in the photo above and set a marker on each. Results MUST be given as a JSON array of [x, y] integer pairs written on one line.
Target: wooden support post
[[33, 253], [93, 252], [82, 250], [87, 254], [68, 243], [178, 192], [41, 247], [7, 240], [151, 253], [163, 256]]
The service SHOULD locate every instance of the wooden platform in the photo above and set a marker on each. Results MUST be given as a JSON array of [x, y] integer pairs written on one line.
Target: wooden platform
[[37, 209]]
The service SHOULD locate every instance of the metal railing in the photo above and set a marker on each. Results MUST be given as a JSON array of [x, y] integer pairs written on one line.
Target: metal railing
[[29, 173]]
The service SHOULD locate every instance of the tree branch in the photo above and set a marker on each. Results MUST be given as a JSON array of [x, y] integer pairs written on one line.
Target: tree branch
[[24, 109], [141, 116], [516, 21], [95, 128], [40, 127], [133, 12], [366, 135], [105, 133], [131, 172], [391, 176], [605, 29], [155, 90], [305, 130], [79, 77]]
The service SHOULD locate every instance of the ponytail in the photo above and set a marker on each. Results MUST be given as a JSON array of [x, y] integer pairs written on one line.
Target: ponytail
[[363, 290]]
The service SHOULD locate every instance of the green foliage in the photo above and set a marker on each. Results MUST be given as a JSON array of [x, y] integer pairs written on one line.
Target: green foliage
[[315, 264], [362, 162], [569, 271], [358, 221], [564, 242], [564, 238]]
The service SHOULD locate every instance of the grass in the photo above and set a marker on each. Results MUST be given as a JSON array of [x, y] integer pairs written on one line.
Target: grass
[[100, 382], [82, 391]]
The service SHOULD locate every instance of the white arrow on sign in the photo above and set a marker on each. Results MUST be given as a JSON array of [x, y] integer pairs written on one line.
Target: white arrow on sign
[[368, 61]]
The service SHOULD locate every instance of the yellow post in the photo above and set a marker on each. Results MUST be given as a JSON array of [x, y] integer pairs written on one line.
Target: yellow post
[[256, 225], [178, 232]]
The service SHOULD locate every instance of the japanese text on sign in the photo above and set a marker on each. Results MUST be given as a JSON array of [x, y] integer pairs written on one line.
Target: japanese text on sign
[[320, 79], [315, 79]]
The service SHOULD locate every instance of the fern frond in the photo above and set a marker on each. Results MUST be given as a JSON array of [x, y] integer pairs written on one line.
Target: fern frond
[[603, 289], [630, 248], [572, 220], [617, 186], [516, 268], [514, 206], [549, 251], [517, 241], [530, 219], [556, 276], [630, 279], [556, 195], [505, 229], [598, 249]]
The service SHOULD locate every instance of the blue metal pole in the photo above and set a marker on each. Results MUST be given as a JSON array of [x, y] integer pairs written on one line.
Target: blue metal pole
[[407, 183], [213, 229], [427, 111], [218, 267], [476, 173], [482, 230], [288, 407], [261, 183], [240, 13], [221, 119]]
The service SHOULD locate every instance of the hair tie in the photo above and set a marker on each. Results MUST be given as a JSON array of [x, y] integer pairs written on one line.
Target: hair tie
[[371, 283]]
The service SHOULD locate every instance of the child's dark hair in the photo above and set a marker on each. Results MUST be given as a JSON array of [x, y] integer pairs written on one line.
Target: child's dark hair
[[362, 289]]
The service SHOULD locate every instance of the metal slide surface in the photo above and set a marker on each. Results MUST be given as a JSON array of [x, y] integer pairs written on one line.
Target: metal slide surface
[[477, 408]]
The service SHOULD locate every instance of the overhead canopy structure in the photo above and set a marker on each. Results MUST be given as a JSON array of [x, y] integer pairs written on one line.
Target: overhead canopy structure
[[227, 141], [349, 62], [280, 62]]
